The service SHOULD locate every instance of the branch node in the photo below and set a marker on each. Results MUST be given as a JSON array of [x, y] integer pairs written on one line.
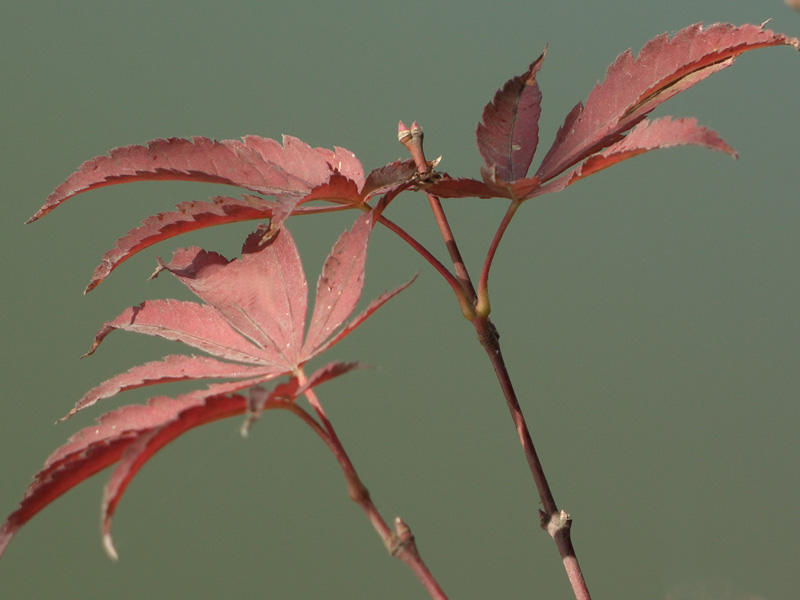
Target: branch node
[[402, 540], [356, 490], [555, 523], [489, 336]]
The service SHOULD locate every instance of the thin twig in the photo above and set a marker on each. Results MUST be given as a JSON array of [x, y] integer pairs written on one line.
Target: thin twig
[[455, 284], [399, 543], [412, 139]]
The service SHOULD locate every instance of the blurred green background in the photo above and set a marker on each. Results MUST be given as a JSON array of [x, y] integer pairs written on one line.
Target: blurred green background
[[650, 315]]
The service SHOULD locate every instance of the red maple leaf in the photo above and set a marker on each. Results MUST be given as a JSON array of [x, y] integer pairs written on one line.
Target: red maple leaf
[[294, 173], [252, 324], [593, 135]]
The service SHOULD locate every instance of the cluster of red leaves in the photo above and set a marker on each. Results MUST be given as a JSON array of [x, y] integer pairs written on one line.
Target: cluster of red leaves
[[252, 322]]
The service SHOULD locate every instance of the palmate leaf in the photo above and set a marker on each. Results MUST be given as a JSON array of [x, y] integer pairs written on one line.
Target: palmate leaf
[[252, 323], [632, 88], [262, 296], [255, 306], [294, 173]]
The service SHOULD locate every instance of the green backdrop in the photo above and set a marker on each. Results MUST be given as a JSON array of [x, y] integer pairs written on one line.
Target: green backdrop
[[650, 315]]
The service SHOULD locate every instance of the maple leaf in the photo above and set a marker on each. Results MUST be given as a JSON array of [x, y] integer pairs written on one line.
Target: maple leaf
[[252, 324], [631, 90], [294, 173], [254, 312]]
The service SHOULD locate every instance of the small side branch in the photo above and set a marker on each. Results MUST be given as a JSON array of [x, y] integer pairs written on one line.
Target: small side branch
[[412, 140], [400, 542]]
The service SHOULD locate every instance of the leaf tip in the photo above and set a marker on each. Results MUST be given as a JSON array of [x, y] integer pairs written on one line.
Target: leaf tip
[[108, 546], [91, 350], [92, 284], [530, 77], [66, 416], [7, 532]]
